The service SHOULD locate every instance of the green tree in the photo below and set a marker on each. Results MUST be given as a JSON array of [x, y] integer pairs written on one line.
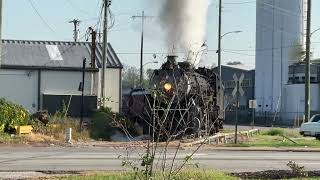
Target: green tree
[[130, 77]]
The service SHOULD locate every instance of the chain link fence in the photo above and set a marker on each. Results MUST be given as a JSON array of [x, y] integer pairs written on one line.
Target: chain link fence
[[282, 119]]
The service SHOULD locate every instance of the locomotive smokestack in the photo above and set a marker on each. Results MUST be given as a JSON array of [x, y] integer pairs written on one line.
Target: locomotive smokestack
[[172, 59]]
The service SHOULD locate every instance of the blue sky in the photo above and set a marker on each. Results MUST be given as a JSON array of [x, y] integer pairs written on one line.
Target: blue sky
[[21, 22]]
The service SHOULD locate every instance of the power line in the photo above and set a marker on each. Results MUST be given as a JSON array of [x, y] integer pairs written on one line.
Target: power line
[[42, 19], [77, 8], [238, 3], [232, 52]]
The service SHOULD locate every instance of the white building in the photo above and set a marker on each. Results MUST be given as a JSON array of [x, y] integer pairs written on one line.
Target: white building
[[39, 75], [280, 32]]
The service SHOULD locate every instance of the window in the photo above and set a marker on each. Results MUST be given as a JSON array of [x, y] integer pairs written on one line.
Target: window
[[315, 118], [246, 83]]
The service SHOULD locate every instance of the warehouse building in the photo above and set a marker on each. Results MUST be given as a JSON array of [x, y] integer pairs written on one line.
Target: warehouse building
[[44, 75], [228, 71]]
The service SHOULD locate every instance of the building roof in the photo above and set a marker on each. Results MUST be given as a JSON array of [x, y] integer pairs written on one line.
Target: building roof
[[246, 67], [53, 54]]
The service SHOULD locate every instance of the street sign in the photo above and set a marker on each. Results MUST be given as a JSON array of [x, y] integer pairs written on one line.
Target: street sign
[[238, 82], [252, 104]]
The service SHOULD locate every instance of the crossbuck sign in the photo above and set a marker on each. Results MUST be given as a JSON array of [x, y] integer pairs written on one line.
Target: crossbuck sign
[[238, 87]]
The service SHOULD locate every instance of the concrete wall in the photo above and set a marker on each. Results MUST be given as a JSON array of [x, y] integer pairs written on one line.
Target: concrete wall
[[113, 91], [279, 30]]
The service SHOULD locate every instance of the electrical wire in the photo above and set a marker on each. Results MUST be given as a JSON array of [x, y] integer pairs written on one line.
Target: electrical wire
[[40, 16], [71, 4], [237, 3]]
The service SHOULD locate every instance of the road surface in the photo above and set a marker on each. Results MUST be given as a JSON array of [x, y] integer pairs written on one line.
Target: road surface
[[87, 159]]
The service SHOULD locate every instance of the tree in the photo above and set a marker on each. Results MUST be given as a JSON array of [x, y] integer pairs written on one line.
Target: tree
[[130, 77]]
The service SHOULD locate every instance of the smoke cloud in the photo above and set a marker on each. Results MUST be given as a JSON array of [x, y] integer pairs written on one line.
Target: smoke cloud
[[184, 23]]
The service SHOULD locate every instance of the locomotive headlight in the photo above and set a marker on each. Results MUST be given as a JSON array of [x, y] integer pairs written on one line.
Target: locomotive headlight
[[167, 87]]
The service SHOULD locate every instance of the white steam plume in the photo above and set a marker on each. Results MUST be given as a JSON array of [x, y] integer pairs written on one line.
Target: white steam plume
[[184, 22]]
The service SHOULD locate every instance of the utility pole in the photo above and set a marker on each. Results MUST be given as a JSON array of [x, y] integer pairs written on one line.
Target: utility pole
[[143, 17], [93, 47], [76, 23], [107, 3], [0, 32], [307, 66], [219, 40], [82, 92], [237, 109]]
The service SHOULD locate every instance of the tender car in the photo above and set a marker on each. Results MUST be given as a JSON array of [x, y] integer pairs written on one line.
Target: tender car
[[311, 128]]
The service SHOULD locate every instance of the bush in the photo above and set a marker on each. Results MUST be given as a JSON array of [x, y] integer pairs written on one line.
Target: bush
[[101, 127], [105, 123], [274, 132], [12, 114]]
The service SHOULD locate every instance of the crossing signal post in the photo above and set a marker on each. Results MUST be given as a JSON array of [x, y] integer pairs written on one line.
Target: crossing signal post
[[238, 91]]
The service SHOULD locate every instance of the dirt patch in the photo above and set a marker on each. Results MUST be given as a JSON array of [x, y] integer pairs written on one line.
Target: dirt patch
[[273, 174]]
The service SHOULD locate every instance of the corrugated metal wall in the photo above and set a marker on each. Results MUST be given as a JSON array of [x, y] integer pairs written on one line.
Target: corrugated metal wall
[[19, 87]]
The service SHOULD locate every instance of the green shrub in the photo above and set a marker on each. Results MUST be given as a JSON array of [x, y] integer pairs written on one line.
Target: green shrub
[[101, 127], [274, 132], [105, 123], [12, 114]]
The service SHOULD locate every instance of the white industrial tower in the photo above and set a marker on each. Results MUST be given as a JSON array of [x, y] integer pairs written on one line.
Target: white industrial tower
[[279, 33]]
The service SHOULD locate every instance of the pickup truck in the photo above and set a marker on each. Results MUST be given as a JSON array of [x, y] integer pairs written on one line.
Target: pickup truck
[[311, 128]]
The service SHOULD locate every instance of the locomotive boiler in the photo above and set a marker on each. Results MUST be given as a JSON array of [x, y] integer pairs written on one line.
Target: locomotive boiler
[[182, 101]]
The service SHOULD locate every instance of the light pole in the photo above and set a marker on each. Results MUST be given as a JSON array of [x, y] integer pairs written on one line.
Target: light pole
[[219, 50], [141, 71]]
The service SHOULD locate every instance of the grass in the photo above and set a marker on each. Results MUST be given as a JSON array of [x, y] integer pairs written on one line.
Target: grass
[[53, 133], [274, 138], [25, 139], [185, 175]]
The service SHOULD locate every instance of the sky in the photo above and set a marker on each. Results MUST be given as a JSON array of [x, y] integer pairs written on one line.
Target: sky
[[48, 20]]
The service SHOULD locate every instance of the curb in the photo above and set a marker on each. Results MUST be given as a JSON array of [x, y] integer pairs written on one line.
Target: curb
[[261, 149]]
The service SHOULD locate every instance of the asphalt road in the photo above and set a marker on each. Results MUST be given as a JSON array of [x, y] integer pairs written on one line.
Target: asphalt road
[[88, 159]]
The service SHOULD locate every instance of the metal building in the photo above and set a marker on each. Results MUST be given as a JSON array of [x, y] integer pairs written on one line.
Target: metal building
[[279, 35], [36, 74]]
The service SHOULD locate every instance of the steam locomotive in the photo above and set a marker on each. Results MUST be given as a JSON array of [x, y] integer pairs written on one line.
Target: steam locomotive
[[183, 101]]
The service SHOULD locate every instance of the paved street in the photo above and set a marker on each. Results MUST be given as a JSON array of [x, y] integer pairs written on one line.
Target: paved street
[[82, 159]]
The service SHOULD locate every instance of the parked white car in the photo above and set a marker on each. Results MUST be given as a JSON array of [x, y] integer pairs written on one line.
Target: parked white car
[[311, 128]]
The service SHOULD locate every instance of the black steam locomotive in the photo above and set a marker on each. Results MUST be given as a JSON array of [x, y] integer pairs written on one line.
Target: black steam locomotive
[[182, 101]]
